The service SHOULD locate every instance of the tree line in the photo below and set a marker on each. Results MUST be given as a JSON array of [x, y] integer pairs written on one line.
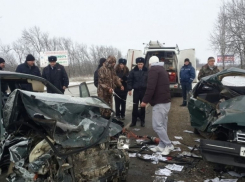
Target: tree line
[[83, 60], [228, 36]]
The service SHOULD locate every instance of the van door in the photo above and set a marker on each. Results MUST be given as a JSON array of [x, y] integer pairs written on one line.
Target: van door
[[131, 56], [187, 53]]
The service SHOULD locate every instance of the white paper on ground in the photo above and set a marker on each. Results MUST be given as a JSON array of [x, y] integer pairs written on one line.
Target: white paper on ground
[[220, 180], [177, 149], [136, 129], [233, 173], [178, 137], [174, 167], [187, 131], [132, 154], [176, 142], [197, 140], [163, 172], [192, 148], [160, 179], [184, 153]]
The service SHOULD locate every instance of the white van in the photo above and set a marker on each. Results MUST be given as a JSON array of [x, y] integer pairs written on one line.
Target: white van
[[172, 57]]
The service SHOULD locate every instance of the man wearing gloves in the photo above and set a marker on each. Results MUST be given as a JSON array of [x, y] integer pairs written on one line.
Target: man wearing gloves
[[187, 75], [56, 74], [137, 80], [158, 95]]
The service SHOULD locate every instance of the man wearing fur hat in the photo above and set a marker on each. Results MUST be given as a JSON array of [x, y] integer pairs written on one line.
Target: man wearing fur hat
[[28, 67], [137, 81], [56, 74], [107, 82], [4, 86], [158, 95]]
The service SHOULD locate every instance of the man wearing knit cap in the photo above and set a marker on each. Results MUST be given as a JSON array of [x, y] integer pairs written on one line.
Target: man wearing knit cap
[[28, 67], [56, 74], [158, 95], [187, 75], [137, 81], [4, 86]]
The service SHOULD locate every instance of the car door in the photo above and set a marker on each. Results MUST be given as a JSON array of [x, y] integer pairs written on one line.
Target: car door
[[83, 89]]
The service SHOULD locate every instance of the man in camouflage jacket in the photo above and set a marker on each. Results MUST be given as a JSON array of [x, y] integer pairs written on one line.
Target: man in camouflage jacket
[[208, 69], [107, 82]]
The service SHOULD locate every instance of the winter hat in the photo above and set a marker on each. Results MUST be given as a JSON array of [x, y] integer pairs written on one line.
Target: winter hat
[[140, 60], [187, 59], [153, 59], [2, 60], [122, 61], [102, 60], [52, 58], [30, 57]]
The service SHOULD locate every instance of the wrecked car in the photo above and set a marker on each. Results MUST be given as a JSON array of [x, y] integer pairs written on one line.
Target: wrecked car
[[217, 111], [55, 137]]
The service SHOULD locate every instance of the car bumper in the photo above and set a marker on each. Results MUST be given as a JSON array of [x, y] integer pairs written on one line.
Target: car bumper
[[223, 152], [175, 88]]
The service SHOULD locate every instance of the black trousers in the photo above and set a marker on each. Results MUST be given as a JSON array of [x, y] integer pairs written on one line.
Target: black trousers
[[137, 99], [120, 105]]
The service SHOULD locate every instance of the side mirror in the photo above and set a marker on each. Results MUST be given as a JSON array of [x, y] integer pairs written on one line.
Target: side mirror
[[83, 88], [207, 88]]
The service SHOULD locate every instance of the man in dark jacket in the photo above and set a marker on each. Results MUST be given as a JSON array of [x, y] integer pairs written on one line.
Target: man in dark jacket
[[187, 75], [158, 95], [122, 72], [30, 68], [56, 74], [102, 60], [137, 80], [4, 86]]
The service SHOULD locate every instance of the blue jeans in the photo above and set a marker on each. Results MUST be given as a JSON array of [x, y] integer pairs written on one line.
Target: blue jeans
[[186, 87]]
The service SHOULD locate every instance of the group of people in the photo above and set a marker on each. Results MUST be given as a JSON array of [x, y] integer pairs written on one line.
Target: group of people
[[54, 72], [188, 74]]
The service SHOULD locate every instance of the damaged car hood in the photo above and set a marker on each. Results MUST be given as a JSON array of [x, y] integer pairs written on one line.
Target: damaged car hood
[[217, 78], [69, 121], [232, 112]]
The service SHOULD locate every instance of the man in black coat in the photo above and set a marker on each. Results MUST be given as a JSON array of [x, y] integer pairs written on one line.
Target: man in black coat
[[56, 74], [28, 67], [102, 60], [137, 80]]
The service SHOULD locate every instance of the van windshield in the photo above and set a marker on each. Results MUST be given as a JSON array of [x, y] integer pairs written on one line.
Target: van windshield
[[168, 57]]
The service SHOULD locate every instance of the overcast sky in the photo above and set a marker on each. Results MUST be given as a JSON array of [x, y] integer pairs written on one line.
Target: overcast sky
[[125, 24]]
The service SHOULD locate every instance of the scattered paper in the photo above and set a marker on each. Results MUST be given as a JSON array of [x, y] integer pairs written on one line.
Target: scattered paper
[[177, 149], [136, 129], [139, 141], [160, 179], [191, 148], [232, 173], [147, 156], [132, 154], [176, 142], [197, 140], [163, 172], [178, 137], [190, 154], [174, 167], [187, 131], [220, 180]]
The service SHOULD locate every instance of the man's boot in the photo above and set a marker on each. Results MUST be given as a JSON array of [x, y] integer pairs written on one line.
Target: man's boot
[[184, 104]]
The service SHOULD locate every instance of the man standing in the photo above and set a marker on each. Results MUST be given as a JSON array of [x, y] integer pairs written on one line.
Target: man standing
[[158, 95], [4, 86], [137, 80], [208, 69], [56, 74], [187, 75], [102, 60], [108, 81], [30, 68]]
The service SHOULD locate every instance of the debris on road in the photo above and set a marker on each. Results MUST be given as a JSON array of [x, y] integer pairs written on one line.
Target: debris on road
[[220, 180], [163, 172], [136, 129], [178, 137], [187, 131], [176, 142], [174, 167]]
